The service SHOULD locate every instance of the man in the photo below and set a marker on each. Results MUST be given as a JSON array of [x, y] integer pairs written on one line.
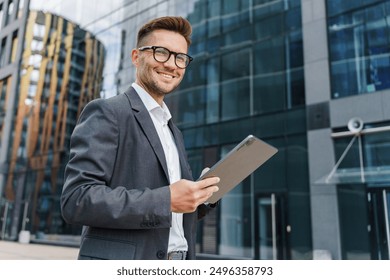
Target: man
[[128, 181]]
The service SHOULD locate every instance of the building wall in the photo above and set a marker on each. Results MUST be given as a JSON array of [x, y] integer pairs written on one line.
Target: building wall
[[13, 16], [324, 209], [360, 71], [346, 61], [12, 22], [60, 71], [247, 77]]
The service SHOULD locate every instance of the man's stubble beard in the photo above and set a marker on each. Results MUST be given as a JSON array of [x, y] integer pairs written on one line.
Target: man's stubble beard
[[151, 85], [154, 88]]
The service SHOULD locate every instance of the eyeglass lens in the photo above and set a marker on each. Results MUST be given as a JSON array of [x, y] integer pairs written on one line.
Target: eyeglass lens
[[162, 55]]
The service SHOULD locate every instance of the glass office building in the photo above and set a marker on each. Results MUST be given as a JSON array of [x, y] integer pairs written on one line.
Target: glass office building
[[310, 77], [348, 127], [358, 46], [359, 59], [247, 78], [58, 72]]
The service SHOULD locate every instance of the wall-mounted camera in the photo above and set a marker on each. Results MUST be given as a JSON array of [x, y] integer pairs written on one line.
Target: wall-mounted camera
[[355, 125]]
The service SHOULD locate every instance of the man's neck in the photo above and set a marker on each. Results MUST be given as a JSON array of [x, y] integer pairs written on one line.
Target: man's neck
[[159, 98]]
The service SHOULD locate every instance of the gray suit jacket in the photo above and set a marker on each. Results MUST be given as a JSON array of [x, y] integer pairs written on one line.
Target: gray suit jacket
[[116, 182]]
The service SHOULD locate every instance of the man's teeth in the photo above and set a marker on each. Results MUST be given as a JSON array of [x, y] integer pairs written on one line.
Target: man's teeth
[[166, 75]]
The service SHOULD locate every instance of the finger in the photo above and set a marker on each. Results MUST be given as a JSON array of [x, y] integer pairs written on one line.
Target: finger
[[213, 189], [205, 183], [210, 192]]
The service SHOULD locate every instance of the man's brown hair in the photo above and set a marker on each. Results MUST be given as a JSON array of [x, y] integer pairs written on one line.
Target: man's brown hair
[[175, 24]]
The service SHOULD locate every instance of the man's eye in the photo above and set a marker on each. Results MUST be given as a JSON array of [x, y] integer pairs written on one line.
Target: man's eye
[[161, 52], [181, 58]]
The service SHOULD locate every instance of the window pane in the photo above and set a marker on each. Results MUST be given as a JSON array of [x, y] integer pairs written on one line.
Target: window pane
[[359, 45], [269, 27], [355, 240], [1, 15], [235, 99], [235, 65], [14, 46], [3, 57], [21, 6], [269, 94], [236, 216], [377, 150], [269, 56], [212, 110], [9, 12], [193, 100]]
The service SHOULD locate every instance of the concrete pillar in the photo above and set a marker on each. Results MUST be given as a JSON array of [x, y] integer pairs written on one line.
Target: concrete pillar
[[324, 207]]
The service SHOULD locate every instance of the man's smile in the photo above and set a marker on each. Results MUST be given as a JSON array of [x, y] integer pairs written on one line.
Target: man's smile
[[166, 75]]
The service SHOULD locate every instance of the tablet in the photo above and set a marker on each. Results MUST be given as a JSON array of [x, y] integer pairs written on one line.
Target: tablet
[[238, 164]]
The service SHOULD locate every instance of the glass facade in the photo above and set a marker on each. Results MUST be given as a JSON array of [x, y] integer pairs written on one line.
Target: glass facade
[[247, 78], [359, 46], [359, 52], [60, 71], [4, 93], [375, 154], [364, 193]]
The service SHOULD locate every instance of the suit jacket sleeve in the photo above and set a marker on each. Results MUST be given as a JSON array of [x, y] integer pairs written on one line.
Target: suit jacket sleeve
[[88, 198]]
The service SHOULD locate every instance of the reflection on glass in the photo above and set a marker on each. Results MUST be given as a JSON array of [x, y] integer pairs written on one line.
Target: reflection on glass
[[1, 15], [9, 12], [359, 48], [266, 235], [20, 9], [3, 57], [55, 86], [233, 219]]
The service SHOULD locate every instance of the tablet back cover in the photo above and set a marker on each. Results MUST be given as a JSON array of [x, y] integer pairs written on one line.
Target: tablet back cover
[[238, 164]]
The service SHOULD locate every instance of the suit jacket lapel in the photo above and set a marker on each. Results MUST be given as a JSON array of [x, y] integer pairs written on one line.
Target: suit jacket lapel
[[146, 123]]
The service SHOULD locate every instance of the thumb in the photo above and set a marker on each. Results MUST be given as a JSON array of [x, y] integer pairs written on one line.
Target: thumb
[[204, 171]]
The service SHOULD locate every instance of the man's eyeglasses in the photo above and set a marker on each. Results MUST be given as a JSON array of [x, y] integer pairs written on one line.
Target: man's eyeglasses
[[162, 54]]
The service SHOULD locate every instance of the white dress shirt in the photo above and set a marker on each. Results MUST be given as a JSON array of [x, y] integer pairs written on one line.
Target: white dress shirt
[[160, 116]]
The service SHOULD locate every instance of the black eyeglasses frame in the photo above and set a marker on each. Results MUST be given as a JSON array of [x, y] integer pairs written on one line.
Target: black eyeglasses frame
[[188, 58]]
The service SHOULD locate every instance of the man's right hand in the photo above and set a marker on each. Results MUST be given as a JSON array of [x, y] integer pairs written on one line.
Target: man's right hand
[[187, 195]]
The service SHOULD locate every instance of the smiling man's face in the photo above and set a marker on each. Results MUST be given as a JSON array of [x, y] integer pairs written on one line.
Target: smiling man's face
[[159, 78]]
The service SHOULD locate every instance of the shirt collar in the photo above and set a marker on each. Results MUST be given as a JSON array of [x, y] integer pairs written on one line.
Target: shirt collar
[[151, 104]]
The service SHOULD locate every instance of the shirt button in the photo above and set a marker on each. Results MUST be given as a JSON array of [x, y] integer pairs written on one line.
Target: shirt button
[[160, 254]]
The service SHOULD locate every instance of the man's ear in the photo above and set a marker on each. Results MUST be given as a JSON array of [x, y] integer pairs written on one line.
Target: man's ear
[[135, 57]]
